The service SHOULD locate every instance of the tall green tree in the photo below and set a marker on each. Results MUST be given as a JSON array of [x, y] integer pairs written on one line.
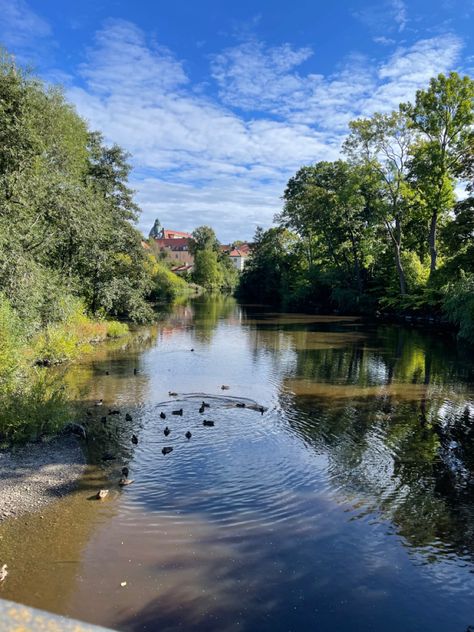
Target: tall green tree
[[442, 115], [382, 144]]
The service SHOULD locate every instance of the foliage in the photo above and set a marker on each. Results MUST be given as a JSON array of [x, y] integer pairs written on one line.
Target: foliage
[[381, 230], [116, 329], [459, 305]]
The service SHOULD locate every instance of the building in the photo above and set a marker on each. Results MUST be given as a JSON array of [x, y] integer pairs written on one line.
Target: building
[[239, 256], [173, 234], [177, 249]]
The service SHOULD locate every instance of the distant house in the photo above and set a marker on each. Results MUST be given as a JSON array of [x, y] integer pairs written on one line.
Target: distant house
[[176, 245], [173, 234], [184, 269], [239, 255]]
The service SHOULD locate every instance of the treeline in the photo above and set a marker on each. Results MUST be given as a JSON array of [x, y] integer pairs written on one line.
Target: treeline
[[381, 229], [213, 269], [70, 257]]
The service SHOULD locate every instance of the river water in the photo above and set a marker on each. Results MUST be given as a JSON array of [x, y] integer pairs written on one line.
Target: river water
[[346, 505]]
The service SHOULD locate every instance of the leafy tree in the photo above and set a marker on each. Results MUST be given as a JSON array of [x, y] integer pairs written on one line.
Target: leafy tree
[[207, 272], [382, 143], [203, 238], [443, 115]]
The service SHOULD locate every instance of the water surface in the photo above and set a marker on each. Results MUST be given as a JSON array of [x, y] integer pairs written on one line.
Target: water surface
[[348, 504]]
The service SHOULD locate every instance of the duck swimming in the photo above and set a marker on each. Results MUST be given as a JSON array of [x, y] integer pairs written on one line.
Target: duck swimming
[[188, 435], [134, 439], [224, 387], [202, 409], [207, 422], [167, 449], [172, 394], [166, 431], [99, 402], [163, 415], [128, 417], [125, 481], [178, 412], [206, 405]]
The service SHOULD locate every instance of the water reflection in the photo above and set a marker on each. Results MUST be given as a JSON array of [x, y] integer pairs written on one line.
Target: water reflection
[[349, 503]]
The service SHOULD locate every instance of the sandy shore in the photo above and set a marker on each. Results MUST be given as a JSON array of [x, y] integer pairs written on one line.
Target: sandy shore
[[37, 474]]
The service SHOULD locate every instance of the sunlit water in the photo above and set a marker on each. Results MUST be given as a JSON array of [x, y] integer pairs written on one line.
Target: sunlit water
[[347, 505]]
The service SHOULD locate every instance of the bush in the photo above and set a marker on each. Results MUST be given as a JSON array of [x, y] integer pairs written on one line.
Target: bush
[[116, 329], [458, 305], [37, 404]]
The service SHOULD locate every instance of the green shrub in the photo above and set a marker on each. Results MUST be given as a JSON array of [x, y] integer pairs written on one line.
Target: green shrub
[[458, 305], [37, 404], [116, 329]]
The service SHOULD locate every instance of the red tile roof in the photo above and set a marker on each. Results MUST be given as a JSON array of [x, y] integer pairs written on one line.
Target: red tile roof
[[174, 234]]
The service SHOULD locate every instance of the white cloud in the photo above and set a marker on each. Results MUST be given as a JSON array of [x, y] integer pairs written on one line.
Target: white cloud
[[225, 160], [399, 13], [20, 27]]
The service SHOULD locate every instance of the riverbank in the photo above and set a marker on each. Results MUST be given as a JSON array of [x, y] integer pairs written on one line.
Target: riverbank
[[34, 475]]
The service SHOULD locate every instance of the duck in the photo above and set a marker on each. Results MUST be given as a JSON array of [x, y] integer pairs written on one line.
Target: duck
[[192, 349], [134, 439], [99, 402], [163, 415], [125, 471], [207, 422], [188, 435], [224, 387], [166, 431], [202, 409], [240, 405], [206, 405], [128, 417], [172, 394], [101, 494], [3, 573], [178, 412], [261, 409], [167, 449], [125, 481]]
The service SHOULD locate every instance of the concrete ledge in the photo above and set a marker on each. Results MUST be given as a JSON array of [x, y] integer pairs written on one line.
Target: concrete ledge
[[15, 617]]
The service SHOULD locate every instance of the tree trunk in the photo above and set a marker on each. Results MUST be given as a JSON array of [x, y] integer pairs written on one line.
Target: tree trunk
[[432, 241], [400, 270]]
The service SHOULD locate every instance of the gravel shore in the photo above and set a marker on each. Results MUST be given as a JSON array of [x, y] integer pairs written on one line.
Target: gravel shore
[[37, 474]]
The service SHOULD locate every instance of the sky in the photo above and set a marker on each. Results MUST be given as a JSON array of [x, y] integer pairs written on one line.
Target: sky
[[219, 103]]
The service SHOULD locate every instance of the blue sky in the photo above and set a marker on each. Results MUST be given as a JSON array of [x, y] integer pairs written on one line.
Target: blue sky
[[220, 102]]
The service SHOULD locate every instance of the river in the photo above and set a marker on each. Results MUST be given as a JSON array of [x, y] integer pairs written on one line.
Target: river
[[346, 504]]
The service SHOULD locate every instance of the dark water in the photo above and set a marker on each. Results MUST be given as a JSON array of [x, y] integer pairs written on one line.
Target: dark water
[[347, 505]]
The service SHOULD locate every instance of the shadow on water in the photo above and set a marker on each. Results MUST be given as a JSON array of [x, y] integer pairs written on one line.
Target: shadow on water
[[349, 502]]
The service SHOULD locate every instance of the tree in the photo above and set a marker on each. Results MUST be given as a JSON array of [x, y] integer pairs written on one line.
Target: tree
[[382, 143], [206, 270], [443, 116], [203, 238]]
